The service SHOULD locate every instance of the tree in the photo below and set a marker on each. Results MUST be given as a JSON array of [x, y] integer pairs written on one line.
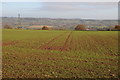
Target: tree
[[80, 27], [117, 27], [7, 27], [45, 28]]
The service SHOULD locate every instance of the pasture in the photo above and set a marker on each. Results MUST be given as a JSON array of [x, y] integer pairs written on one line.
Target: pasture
[[59, 54]]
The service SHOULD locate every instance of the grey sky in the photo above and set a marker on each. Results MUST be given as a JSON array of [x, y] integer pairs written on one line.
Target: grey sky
[[89, 10]]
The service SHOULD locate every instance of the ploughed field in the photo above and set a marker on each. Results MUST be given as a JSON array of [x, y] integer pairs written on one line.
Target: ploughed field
[[59, 54]]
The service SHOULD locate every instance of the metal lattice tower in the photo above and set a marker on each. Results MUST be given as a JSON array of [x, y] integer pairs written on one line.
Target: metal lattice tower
[[19, 22]]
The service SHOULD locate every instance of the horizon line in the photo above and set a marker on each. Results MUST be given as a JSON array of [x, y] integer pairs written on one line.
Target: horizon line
[[59, 18]]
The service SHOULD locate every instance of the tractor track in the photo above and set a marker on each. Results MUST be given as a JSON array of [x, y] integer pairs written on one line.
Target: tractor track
[[46, 45], [65, 47]]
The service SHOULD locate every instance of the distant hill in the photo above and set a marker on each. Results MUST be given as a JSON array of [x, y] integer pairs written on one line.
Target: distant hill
[[59, 23]]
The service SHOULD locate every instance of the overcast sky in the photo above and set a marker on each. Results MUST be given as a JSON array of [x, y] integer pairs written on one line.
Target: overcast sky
[[88, 10]]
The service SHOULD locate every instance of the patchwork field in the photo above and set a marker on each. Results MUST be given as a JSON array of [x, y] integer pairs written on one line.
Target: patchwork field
[[59, 54]]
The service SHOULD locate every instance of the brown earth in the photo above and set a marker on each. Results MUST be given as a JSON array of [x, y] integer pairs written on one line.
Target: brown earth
[[9, 43]]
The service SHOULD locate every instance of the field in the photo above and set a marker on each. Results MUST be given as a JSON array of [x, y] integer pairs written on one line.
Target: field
[[59, 54]]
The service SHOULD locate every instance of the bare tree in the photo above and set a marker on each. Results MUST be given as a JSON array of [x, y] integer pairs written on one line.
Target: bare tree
[[117, 27], [7, 26], [80, 27], [45, 28]]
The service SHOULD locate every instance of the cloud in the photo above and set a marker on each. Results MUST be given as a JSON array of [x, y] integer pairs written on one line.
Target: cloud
[[76, 6], [80, 9]]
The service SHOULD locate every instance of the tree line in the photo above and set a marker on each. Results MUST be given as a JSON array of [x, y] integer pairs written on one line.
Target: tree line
[[79, 27]]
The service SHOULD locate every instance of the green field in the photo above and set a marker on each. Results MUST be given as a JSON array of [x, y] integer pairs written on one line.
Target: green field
[[59, 54]]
